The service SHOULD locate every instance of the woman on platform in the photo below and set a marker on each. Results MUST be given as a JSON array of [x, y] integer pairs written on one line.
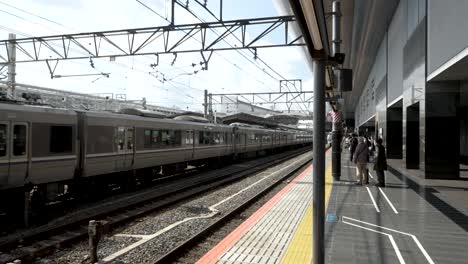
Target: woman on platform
[[380, 163], [360, 158]]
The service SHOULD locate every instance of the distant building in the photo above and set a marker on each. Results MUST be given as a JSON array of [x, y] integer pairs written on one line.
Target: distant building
[[232, 104]]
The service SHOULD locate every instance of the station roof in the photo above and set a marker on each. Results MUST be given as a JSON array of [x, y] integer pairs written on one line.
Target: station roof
[[284, 119], [249, 119], [363, 26], [142, 112]]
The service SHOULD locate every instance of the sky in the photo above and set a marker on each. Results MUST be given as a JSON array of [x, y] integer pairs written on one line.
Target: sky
[[228, 71]]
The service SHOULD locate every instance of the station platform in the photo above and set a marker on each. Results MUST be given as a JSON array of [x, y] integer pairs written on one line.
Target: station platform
[[408, 221]]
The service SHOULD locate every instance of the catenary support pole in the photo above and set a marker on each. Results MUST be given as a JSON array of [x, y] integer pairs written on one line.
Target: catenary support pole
[[319, 163], [205, 105], [12, 66], [210, 107], [336, 129]]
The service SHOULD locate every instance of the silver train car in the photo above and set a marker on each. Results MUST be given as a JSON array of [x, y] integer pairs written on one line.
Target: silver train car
[[56, 150]]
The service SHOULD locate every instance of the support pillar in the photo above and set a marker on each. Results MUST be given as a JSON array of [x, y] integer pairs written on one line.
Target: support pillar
[[95, 231], [336, 130], [210, 108], [336, 151], [12, 66], [205, 105], [319, 163]]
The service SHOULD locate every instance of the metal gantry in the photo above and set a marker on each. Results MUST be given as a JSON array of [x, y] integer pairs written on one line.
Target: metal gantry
[[168, 39], [260, 98], [288, 98]]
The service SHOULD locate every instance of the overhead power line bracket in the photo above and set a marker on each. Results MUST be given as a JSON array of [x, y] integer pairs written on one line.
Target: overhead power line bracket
[[141, 41]]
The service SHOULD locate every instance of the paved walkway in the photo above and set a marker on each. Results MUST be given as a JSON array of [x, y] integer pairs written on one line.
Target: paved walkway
[[408, 221], [405, 222]]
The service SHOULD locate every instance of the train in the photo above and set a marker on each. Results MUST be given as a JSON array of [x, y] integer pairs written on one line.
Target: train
[[56, 151]]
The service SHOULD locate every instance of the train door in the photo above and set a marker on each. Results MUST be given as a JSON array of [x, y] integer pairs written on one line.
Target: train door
[[189, 144], [235, 142], [18, 153], [4, 153], [130, 147], [121, 148], [125, 148]]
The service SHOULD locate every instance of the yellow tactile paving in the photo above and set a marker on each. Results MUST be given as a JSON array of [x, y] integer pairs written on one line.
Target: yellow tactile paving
[[300, 248]]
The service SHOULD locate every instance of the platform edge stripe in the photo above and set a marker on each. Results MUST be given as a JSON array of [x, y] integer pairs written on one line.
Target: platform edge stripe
[[300, 236], [216, 252]]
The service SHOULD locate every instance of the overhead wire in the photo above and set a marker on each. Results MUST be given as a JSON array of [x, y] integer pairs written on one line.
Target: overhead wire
[[48, 20], [235, 65], [28, 35], [257, 57], [239, 51], [143, 4], [69, 28], [230, 45], [17, 8], [54, 22]]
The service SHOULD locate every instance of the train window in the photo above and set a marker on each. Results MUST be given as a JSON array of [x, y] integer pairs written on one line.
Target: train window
[[251, 138], [175, 137], [217, 138], [204, 138], [237, 138], [258, 138], [3, 140], [161, 138], [147, 138], [171, 137], [188, 137], [120, 138], [155, 137], [61, 139], [129, 138], [165, 137], [210, 138], [201, 137], [19, 140]]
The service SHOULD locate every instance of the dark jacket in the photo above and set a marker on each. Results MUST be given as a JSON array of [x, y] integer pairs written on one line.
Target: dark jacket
[[380, 162], [361, 154], [354, 143]]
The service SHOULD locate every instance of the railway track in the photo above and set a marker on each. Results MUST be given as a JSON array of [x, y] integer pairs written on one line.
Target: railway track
[[196, 246], [44, 240]]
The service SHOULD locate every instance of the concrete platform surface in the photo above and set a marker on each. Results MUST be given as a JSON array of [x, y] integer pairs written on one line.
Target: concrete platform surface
[[404, 222]]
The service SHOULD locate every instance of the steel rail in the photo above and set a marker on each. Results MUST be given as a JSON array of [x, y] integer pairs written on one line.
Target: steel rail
[[176, 252]]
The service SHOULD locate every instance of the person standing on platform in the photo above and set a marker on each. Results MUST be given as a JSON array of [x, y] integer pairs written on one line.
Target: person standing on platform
[[380, 163], [353, 145], [360, 158]]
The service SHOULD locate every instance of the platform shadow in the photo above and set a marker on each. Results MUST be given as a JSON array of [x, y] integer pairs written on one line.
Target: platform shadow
[[427, 193]]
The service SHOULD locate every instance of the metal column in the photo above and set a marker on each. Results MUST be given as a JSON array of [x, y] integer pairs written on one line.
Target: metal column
[[210, 108], [205, 105], [12, 66], [319, 163], [336, 130]]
